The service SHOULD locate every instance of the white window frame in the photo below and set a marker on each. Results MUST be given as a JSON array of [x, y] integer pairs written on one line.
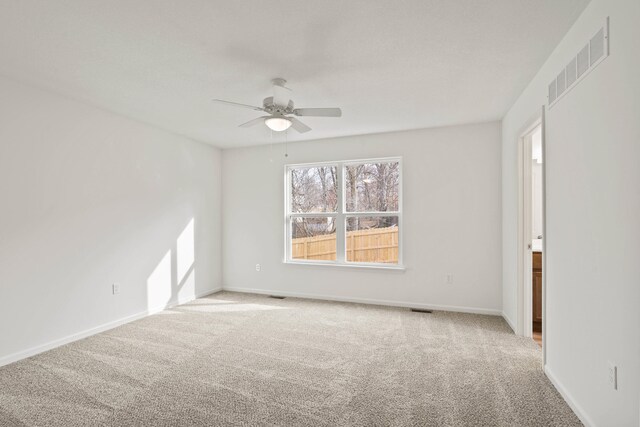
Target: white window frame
[[341, 215]]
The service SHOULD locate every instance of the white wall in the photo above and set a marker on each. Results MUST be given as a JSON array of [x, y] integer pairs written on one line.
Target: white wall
[[593, 207], [452, 225], [89, 198]]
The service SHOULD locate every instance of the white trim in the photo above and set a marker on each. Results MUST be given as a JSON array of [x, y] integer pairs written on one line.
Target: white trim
[[524, 322], [341, 219], [577, 409], [15, 357], [509, 322], [342, 162], [472, 310], [527, 226], [347, 264], [543, 124]]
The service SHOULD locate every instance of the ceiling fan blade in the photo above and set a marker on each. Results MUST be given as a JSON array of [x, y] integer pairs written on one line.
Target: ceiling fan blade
[[318, 112], [253, 122], [281, 95], [236, 104], [298, 125]]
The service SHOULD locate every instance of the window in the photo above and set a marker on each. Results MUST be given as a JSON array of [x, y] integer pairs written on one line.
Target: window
[[344, 213]]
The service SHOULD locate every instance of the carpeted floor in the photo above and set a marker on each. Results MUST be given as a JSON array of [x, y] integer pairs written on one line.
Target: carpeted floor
[[240, 359]]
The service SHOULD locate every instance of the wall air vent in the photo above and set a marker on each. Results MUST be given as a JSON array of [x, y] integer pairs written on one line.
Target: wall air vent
[[561, 83], [571, 71], [592, 54], [596, 47], [583, 61], [552, 92]]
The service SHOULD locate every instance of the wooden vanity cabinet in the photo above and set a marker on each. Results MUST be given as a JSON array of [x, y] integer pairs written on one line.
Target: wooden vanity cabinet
[[536, 282]]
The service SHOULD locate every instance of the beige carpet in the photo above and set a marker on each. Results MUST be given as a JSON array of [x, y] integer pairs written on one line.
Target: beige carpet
[[239, 359]]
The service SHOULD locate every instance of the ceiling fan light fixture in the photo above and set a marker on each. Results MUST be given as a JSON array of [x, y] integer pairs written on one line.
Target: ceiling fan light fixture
[[278, 106], [277, 124]]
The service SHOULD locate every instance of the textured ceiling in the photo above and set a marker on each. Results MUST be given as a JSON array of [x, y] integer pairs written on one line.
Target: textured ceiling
[[390, 65]]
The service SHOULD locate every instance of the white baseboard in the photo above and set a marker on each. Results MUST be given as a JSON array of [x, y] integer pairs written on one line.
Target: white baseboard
[[509, 322], [472, 310], [577, 409], [14, 357]]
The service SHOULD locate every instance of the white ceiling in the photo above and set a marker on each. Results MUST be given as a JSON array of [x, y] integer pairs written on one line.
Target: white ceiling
[[390, 65]]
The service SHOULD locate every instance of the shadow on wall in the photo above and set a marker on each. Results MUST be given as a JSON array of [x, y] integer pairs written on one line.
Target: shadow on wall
[[173, 279]]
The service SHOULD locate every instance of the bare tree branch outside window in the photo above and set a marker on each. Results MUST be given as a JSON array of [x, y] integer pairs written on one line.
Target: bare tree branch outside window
[[372, 187], [314, 190]]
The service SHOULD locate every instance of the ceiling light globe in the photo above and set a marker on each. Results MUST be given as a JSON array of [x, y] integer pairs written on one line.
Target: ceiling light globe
[[278, 124]]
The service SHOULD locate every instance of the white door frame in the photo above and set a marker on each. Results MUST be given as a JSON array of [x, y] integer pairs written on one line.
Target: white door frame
[[524, 290], [543, 124], [525, 323]]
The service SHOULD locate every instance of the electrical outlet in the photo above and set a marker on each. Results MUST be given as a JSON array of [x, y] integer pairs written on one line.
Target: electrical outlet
[[257, 267], [115, 288], [449, 279], [613, 375]]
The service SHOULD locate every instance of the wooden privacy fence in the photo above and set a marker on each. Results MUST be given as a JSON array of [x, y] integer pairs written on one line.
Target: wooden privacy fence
[[374, 245]]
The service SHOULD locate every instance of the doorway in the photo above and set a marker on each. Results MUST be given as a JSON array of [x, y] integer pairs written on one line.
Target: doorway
[[536, 234], [531, 234]]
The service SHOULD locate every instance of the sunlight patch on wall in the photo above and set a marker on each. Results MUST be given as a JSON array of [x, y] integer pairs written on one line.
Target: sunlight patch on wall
[[185, 251], [187, 287], [159, 284]]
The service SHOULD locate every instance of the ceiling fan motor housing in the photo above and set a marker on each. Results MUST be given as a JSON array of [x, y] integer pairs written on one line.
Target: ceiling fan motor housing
[[271, 108]]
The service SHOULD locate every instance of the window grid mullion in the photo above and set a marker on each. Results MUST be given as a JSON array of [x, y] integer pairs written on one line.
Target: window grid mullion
[[312, 214], [361, 214], [340, 221]]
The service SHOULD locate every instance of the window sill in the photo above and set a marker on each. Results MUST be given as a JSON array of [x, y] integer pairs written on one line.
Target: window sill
[[349, 265]]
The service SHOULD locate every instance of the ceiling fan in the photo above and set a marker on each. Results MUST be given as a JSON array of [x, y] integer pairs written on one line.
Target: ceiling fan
[[280, 108]]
